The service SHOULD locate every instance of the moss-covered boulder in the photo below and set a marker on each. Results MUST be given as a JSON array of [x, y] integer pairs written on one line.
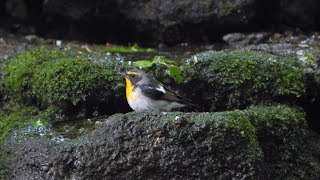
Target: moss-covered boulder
[[65, 78], [237, 79], [254, 143], [141, 145], [290, 149]]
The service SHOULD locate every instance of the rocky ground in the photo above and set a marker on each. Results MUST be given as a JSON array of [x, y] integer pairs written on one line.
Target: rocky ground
[[64, 115]]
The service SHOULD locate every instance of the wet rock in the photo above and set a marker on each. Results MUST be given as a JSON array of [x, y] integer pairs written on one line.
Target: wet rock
[[259, 47], [239, 40], [283, 49], [258, 142], [304, 46], [148, 146], [233, 37]]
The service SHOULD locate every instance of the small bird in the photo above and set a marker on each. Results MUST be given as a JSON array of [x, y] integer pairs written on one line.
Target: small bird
[[145, 93]]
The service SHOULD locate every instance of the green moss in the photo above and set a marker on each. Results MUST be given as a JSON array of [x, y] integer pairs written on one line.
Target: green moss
[[70, 80], [58, 77], [19, 71], [236, 79], [270, 116]]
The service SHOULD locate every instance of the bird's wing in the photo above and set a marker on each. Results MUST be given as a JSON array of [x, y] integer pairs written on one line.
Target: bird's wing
[[159, 93], [153, 92]]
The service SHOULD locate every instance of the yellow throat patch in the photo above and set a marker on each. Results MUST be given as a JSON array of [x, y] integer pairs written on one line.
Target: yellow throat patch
[[129, 90]]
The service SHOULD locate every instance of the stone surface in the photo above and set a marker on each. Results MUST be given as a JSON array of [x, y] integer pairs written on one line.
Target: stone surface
[[167, 145], [255, 143]]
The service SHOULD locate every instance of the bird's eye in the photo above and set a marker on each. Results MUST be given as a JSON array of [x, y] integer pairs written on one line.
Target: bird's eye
[[132, 75]]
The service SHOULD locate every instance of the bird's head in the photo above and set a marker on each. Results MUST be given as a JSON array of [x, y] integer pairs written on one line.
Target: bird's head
[[134, 76]]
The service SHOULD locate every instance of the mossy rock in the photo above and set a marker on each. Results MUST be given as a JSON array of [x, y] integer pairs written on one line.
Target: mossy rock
[[254, 143], [150, 145], [237, 79], [291, 150], [64, 78]]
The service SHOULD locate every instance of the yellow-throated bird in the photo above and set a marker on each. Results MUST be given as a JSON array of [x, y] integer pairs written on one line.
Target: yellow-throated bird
[[145, 93]]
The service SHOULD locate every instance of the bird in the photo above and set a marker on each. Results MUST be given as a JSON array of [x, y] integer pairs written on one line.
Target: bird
[[145, 93]]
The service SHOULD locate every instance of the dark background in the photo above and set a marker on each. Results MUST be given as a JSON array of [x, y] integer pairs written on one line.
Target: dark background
[[150, 22]]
